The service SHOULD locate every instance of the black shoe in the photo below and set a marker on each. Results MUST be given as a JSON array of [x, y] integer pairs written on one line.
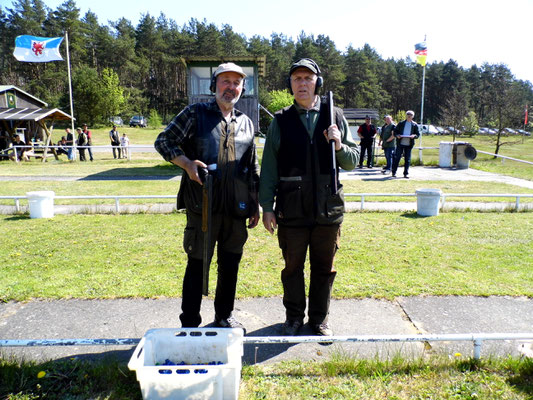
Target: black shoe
[[229, 322], [291, 328], [406, 176], [359, 166], [322, 329], [394, 174]]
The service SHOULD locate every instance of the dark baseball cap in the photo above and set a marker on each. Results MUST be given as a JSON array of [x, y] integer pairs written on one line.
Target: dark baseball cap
[[305, 63]]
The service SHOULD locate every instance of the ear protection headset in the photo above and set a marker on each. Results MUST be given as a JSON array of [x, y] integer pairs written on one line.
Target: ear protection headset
[[213, 84], [319, 80]]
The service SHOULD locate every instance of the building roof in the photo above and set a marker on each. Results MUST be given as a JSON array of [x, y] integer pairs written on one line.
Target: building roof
[[259, 60], [32, 114], [5, 88], [360, 113]]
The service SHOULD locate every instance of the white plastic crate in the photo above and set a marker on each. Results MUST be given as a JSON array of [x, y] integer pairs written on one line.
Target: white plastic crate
[[195, 348]]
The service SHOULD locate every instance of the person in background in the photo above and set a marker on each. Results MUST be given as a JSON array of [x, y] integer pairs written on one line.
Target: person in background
[[20, 151], [296, 176], [114, 136], [367, 133], [405, 133], [62, 146], [387, 143], [89, 135], [70, 144], [125, 144], [216, 139], [81, 142]]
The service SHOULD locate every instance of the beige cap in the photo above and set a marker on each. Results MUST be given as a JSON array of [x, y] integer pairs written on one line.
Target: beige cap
[[229, 67]]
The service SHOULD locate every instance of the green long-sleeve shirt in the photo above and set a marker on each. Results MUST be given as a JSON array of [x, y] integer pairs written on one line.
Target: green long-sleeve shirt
[[347, 157]]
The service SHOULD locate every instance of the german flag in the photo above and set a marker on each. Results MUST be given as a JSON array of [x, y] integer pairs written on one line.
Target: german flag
[[421, 52]]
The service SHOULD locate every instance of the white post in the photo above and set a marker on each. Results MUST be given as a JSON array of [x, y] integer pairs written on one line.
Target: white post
[[71, 105]]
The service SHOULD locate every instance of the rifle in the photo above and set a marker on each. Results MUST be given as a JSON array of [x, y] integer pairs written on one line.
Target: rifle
[[207, 207], [332, 144]]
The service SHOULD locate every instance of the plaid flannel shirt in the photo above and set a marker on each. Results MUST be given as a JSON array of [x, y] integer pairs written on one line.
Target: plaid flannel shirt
[[183, 127]]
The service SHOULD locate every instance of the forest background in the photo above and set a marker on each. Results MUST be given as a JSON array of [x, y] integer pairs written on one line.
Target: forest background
[[122, 69]]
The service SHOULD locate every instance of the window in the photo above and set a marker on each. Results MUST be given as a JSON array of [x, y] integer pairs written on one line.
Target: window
[[200, 80]]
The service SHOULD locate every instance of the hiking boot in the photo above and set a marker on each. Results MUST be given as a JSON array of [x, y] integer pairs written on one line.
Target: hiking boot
[[291, 328], [322, 329], [230, 322]]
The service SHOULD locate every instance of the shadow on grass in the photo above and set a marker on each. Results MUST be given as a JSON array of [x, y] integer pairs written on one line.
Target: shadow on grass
[[159, 172], [18, 217]]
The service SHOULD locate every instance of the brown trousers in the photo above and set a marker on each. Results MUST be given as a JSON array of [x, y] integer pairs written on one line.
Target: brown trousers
[[322, 242]]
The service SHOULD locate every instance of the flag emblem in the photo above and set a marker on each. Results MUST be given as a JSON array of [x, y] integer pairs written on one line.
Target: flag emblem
[[37, 49]]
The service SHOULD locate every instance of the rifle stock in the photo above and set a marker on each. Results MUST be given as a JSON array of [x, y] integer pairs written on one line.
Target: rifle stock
[[207, 197], [332, 144]]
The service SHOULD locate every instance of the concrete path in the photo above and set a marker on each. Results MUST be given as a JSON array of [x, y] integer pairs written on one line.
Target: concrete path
[[131, 318]]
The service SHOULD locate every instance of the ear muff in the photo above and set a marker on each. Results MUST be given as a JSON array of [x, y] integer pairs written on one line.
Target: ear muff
[[319, 80], [213, 85]]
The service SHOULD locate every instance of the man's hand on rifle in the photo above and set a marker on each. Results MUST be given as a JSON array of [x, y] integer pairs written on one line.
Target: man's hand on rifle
[[333, 133], [190, 166]]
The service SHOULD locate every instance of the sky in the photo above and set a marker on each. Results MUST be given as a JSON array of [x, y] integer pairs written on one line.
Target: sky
[[467, 31]]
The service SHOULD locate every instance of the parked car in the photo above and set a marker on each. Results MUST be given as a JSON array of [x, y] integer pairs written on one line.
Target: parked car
[[509, 131], [484, 131], [451, 130], [138, 120], [116, 121], [441, 130], [428, 130], [523, 132]]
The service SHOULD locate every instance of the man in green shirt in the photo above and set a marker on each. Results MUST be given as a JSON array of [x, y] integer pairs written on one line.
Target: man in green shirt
[[296, 177]]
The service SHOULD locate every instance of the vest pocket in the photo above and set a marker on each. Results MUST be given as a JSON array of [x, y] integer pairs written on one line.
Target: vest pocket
[[189, 240], [335, 204], [243, 205], [331, 205], [291, 200]]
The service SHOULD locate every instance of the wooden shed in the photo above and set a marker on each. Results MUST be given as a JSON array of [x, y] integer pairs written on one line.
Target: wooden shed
[[199, 73], [25, 115]]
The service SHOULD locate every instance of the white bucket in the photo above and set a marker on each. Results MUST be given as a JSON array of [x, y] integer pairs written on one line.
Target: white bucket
[[445, 154], [427, 202], [41, 204]]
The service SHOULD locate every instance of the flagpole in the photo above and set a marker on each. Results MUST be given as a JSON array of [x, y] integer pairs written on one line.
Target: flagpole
[[422, 112], [70, 95], [422, 108]]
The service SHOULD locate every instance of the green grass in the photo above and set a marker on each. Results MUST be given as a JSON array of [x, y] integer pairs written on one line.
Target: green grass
[[342, 377], [67, 379], [382, 255], [349, 378]]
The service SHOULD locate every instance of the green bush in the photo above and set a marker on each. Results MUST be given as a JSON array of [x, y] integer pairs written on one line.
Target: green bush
[[279, 100], [154, 120]]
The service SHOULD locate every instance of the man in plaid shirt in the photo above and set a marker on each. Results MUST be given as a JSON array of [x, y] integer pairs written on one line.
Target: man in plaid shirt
[[220, 139]]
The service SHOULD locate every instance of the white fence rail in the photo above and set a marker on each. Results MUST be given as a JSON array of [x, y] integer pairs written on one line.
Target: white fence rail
[[476, 338], [516, 196], [362, 196]]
